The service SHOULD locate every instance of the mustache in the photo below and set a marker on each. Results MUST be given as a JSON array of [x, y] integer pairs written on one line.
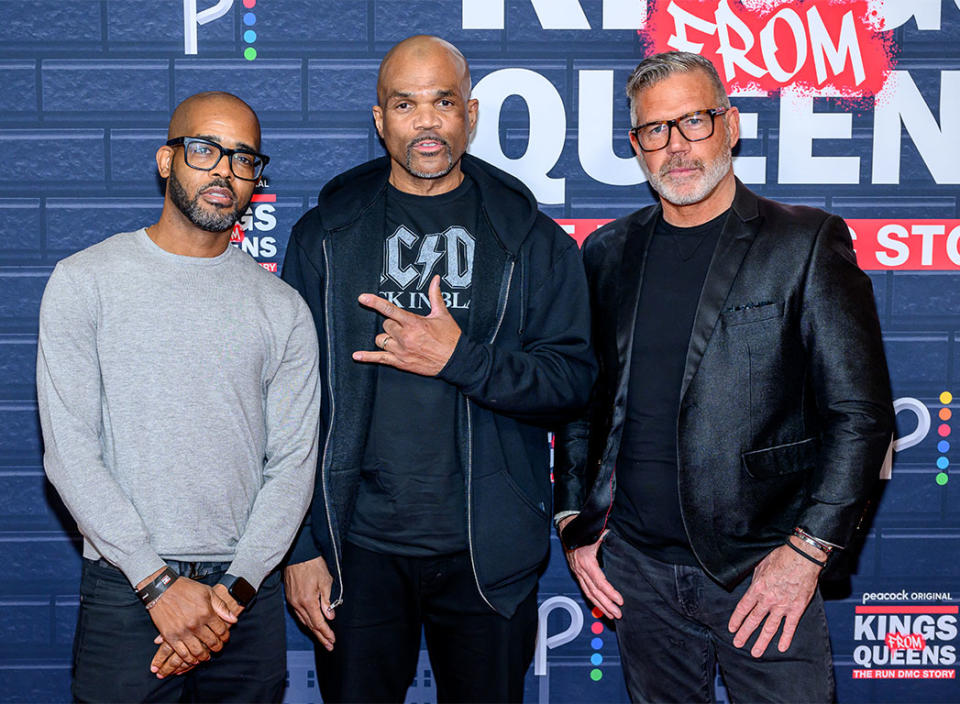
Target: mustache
[[218, 183], [680, 163], [428, 138]]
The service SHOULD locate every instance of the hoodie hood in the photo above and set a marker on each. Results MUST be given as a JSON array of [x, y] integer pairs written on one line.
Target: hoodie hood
[[506, 202]]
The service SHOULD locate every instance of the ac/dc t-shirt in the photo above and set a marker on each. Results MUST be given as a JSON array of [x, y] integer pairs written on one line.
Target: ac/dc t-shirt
[[412, 496]]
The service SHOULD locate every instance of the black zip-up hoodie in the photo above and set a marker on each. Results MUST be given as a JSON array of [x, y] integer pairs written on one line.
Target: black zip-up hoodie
[[522, 365]]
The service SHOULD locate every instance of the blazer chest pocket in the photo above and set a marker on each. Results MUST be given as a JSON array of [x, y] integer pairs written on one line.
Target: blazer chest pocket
[[781, 459], [753, 313]]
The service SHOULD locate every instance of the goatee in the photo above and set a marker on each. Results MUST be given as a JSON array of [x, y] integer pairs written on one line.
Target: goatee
[[216, 220], [429, 174]]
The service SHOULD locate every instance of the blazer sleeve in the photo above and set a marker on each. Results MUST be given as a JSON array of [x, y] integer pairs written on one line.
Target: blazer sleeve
[[570, 450], [572, 479], [848, 372]]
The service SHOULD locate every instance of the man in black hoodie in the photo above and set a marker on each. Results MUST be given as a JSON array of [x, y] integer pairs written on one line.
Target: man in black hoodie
[[432, 506]]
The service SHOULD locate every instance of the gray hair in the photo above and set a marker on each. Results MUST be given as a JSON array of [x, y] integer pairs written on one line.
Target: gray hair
[[657, 67]]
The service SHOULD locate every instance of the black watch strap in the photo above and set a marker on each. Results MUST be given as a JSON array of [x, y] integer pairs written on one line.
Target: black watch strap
[[239, 588], [152, 591]]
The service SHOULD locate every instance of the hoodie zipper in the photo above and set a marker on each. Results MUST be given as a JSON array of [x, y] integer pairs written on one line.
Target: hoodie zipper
[[326, 444], [473, 564]]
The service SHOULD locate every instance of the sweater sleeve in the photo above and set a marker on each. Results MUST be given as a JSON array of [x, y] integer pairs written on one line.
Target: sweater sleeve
[[292, 405], [69, 399]]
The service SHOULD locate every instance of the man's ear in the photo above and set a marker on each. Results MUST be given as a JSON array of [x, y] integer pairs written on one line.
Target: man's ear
[[473, 107], [732, 117], [164, 161], [635, 144], [378, 119]]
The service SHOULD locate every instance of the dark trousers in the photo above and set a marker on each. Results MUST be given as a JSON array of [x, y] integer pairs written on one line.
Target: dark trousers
[[673, 634], [476, 654], [114, 645]]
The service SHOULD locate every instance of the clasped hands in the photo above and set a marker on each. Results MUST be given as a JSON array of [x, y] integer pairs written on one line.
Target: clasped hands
[[194, 621], [413, 343]]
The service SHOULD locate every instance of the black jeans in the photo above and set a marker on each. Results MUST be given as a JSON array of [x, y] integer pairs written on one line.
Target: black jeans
[[114, 644], [476, 654], [673, 634]]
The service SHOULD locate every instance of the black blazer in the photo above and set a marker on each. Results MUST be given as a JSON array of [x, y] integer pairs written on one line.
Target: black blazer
[[785, 413]]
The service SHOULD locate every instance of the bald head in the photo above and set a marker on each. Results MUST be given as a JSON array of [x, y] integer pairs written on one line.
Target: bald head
[[420, 49], [197, 108]]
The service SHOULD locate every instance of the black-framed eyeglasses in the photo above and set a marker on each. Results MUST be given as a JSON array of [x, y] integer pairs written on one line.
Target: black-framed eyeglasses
[[694, 126], [204, 155]]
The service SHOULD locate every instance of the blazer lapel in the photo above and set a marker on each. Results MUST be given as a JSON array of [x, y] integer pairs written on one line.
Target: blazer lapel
[[630, 280], [738, 234]]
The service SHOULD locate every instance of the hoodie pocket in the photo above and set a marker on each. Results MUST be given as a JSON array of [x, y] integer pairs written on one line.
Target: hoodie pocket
[[512, 531]]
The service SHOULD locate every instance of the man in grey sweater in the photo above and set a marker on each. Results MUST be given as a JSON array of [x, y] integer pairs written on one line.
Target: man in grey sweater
[[177, 386]]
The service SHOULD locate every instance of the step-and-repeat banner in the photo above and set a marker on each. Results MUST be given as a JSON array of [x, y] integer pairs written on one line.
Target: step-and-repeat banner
[[848, 105]]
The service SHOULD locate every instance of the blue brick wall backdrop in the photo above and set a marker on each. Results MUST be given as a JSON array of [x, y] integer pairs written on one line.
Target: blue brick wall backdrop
[[88, 86]]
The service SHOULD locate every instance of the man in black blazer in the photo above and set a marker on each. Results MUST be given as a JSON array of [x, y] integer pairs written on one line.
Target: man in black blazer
[[740, 419]]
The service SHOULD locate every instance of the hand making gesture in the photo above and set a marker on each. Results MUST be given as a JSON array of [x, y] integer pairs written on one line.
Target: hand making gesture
[[413, 343]]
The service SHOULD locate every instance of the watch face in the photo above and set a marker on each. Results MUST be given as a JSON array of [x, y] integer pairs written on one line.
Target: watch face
[[242, 591]]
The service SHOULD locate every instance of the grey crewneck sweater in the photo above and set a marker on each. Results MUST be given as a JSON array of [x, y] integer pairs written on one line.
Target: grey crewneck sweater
[[179, 404]]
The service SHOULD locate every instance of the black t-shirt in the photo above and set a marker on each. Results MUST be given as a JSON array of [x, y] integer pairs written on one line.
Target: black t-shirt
[[646, 509], [412, 496]]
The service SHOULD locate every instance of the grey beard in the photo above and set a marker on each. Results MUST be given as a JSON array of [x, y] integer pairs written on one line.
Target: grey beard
[[712, 175], [208, 221], [430, 174]]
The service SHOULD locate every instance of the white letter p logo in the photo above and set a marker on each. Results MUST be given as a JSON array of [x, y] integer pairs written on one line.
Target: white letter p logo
[[193, 19], [547, 642]]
